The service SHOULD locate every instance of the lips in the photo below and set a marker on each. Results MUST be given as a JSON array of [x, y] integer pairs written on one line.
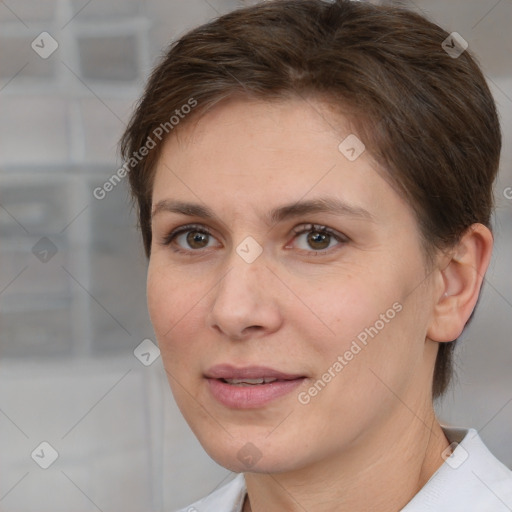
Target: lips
[[249, 382], [249, 387], [228, 372]]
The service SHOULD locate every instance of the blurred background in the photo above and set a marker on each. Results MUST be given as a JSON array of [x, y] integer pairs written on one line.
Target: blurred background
[[72, 270]]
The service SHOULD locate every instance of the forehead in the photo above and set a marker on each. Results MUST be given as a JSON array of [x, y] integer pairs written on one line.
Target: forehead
[[267, 153]]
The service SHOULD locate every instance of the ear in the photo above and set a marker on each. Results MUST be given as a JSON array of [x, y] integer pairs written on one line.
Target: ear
[[460, 278]]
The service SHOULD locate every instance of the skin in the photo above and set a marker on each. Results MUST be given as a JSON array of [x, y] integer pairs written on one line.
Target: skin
[[297, 308]]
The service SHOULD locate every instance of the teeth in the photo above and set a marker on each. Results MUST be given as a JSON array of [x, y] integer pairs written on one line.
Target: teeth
[[250, 382]]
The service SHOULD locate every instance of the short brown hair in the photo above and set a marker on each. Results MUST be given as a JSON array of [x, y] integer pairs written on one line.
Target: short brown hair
[[427, 117]]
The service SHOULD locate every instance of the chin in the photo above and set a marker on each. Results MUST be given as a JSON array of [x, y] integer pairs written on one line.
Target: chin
[[255, 454]]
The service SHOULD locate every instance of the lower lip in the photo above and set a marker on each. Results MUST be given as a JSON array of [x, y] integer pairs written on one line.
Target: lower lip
[[253, 396]]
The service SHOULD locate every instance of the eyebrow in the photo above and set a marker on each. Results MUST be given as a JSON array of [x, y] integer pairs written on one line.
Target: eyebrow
[[319, 205]]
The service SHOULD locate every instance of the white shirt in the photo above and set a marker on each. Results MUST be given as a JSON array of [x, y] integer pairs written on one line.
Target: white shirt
[[470, 480]]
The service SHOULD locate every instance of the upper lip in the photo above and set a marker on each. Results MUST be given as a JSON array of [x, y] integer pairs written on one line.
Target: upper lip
[[227, 371]]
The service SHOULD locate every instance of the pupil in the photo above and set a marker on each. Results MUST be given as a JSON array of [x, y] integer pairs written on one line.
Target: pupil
[[316, 238], [195, 239]]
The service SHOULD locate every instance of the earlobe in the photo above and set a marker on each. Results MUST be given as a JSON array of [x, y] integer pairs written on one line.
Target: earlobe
[[460, 283]]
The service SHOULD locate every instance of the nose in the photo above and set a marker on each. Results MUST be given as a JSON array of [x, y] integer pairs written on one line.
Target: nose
[[245, 301]]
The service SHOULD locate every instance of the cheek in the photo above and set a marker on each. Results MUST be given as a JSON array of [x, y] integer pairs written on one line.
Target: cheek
[[174, 304], [346, 306], [378, 345], [365, 322], [160, 291]]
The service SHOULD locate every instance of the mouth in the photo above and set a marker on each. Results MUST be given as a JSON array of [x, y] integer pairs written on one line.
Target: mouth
[[249, 382], [249, 387]]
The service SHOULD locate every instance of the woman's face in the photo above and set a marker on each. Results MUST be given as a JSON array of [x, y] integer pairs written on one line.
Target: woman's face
[[303, 265]]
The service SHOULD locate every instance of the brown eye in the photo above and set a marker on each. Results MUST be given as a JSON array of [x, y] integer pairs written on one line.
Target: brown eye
[[318, 240], [197, 239], [190, 238]]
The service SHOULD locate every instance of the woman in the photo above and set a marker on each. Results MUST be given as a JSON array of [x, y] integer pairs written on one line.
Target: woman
[[314, 188]]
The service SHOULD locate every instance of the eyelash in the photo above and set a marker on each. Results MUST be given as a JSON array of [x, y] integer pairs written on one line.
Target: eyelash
[[323, 230], [299, 230], [168, 239]]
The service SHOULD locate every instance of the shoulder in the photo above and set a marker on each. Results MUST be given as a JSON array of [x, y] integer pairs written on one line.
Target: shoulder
[[471, 479], [229, 498]]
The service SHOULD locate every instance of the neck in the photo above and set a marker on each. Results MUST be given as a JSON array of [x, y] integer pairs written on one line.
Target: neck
[[382, 471]]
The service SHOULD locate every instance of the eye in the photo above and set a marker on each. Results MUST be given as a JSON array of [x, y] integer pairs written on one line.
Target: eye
[[317, 238], [189, 238]]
